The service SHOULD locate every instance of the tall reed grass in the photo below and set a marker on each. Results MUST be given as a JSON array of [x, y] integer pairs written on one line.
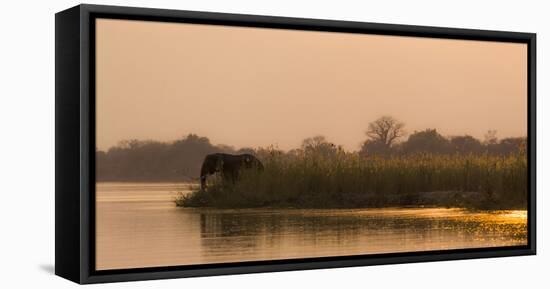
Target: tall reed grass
[[347, 180]]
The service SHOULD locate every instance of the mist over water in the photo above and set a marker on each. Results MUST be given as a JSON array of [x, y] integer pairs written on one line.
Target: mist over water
[[139, 225]]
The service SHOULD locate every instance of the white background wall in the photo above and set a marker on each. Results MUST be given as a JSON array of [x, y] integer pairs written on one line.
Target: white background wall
[[27, 143]]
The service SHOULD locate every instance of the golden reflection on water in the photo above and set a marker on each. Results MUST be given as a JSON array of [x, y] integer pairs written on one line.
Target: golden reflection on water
[[138, 225]]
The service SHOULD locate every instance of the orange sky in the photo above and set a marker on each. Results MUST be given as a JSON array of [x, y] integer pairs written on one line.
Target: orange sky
[[255, 87]]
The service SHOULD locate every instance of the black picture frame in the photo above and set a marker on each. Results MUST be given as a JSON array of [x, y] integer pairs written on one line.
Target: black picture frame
[[75, 143]]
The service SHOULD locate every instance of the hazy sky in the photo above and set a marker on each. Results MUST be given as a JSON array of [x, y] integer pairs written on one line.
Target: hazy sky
[[255, 87]]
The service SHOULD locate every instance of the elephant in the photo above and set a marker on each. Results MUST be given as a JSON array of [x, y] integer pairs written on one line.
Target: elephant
[[228, 166]]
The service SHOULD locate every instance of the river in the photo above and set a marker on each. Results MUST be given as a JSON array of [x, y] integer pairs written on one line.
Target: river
[[139, 225]]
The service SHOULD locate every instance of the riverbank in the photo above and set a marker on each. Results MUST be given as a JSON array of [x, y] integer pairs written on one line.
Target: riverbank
[[449, 199]]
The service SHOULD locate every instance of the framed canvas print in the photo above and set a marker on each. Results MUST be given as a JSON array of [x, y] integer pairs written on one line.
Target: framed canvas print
[[193, 143]]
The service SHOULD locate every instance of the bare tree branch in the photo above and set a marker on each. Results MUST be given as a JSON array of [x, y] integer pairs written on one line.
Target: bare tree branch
[[386, 130]]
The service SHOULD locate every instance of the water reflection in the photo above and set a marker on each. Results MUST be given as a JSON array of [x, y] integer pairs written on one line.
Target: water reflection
[[138, 225], [308, 233]]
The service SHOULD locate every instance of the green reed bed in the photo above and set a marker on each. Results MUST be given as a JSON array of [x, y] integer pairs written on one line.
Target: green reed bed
[[347, 180]]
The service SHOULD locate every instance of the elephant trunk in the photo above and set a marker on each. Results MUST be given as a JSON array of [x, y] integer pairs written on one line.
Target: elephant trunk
[[203, 182], [204, 172], [206, 169]]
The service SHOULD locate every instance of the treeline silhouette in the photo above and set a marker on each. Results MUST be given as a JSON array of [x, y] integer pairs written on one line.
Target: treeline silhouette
[[180, 160], [430, 141], [136, 160], [384, 134]]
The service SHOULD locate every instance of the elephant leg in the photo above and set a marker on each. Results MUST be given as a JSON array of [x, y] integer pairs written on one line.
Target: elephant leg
[[230, 177], [234, 177]]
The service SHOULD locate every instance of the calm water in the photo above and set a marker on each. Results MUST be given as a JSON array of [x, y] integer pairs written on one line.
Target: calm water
[[138, 225]]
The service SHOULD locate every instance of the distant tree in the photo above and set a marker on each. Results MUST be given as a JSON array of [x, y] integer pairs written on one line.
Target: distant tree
[[426, 141], [374, 148], [319, 144], [490, 137], [135, 160], [130, 160], [385, 130], [312, 142], [510, 145], [490, 141], [466, 144], [185, 156], [193, 141], [129, 144]]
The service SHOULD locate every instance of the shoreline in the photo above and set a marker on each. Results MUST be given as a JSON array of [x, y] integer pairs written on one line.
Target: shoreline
[[438, 199]]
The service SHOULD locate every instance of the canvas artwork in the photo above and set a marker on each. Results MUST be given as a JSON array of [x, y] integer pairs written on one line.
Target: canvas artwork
[[223, 144]]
